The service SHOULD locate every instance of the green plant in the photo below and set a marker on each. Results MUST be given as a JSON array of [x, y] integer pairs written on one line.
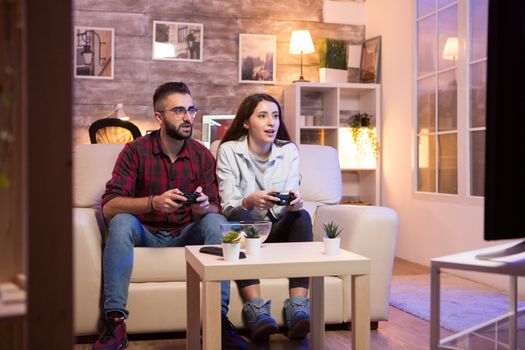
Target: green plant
[[232, 237], [252, 232], [333, 53], [331, 229], [362, 120]]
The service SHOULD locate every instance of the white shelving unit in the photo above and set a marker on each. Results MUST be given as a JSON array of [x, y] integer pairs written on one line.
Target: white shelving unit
[[320, 113]]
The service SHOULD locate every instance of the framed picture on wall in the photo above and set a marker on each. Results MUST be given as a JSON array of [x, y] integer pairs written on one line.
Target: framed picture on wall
[[370, 60], [257, 58], [94, 52], [177, 41]]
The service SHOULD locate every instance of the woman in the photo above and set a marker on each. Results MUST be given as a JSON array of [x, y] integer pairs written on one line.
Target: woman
[[255, 159]]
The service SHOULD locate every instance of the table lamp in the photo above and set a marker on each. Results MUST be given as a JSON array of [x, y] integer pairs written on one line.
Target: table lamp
[[300, 43], [118, 112], [450, 51]]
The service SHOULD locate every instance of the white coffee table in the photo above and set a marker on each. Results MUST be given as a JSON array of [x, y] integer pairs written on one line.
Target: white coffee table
[[305, 259]]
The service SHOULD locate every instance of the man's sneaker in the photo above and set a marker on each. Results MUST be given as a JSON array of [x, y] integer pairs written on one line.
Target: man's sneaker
[[113, 336], [297, 317], [257, 315], [231, 340]]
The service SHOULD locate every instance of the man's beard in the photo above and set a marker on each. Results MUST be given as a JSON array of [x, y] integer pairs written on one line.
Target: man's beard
[[175, 133]]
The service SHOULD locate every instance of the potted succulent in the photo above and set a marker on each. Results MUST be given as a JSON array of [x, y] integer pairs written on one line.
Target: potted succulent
[[332, 241], [333, 61], [231, 245], [252, 241]]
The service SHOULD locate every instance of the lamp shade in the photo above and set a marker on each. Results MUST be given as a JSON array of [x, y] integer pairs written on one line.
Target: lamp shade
[[301, 42], [450, 51], [118, 112]]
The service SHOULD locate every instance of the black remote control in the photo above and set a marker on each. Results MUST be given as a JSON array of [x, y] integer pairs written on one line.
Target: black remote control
[[218, 251]]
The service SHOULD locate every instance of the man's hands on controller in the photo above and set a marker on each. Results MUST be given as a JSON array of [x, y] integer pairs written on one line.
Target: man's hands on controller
[[172, 200], [201, 204]]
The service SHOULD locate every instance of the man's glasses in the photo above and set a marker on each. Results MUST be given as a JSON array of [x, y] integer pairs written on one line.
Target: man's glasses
[[181, 111]]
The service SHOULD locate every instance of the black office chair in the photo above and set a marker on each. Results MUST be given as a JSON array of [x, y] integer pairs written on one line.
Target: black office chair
[[113, 130]]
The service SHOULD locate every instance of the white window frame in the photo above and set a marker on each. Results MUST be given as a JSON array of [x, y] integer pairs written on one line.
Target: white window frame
[[463, 114]]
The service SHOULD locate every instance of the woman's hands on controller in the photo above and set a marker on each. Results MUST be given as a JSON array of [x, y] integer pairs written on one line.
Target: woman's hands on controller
[[260, 200], [296, 204]]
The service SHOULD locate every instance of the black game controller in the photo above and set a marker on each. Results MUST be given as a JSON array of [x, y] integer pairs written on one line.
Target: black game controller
[[191, 198], [284, 197]]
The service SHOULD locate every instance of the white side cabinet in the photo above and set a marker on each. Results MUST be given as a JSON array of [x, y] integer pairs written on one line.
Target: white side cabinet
[[321, 113]]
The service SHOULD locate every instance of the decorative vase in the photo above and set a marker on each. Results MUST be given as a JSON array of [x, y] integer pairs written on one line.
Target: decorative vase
[[332, 245], [230, 251], [330, 75], [252, 245]]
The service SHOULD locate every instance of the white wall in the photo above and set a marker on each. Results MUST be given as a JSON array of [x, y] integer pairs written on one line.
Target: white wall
[[428, 227]]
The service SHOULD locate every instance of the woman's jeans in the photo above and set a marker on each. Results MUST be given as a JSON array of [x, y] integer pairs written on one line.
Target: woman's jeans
[[293, 226], [127, 232]]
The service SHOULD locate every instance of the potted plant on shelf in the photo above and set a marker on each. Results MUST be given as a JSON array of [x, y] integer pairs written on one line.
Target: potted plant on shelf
[[333, 61], [252, 241], [231, 245], [364, 134], [332, 241]]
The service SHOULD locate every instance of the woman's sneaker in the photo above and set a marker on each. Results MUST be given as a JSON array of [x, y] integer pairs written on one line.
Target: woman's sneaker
[[297, 317], [113, 336], [257, 315]]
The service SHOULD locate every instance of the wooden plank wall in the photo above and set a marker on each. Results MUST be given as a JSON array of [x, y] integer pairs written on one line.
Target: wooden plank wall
[[214, 82]]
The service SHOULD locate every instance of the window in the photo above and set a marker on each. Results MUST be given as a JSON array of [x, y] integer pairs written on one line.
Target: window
[[477, 93], [441, 118]]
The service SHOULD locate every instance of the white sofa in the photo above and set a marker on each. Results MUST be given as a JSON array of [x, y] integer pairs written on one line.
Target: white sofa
[[157, 293]]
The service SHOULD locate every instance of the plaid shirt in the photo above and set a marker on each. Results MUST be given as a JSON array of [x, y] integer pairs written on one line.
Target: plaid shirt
[[143, 169]]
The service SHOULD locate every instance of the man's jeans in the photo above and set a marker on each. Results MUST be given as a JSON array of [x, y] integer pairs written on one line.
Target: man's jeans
[[127, 232]]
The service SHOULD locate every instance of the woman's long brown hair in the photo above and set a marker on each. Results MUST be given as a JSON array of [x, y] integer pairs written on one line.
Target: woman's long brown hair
[[244, 112]]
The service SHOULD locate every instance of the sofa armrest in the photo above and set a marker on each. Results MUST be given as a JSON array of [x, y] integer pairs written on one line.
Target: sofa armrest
[[370, 231], [88, 269]]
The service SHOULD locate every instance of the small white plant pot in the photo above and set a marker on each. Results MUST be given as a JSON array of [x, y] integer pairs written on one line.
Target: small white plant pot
[[330, 75], [230, 251], [253, 246], [332, 245]]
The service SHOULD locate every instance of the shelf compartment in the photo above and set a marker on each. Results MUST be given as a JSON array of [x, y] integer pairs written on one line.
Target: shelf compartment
[[319, 136], [319, 106]]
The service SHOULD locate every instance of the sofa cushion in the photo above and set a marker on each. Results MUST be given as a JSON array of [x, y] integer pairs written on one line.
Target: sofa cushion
[[159, 265], [320, 174], [92, 168]]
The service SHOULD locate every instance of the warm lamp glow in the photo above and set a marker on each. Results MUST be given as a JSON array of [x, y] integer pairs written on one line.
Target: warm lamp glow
[[361, 154], [118, 112], [450, 51], [301, 42]]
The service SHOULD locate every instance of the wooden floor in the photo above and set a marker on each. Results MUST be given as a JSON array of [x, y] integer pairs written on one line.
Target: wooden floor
[[402, 331]]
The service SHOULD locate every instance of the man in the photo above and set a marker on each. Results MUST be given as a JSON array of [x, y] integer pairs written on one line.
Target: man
[[190, 42], [144, 206]]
